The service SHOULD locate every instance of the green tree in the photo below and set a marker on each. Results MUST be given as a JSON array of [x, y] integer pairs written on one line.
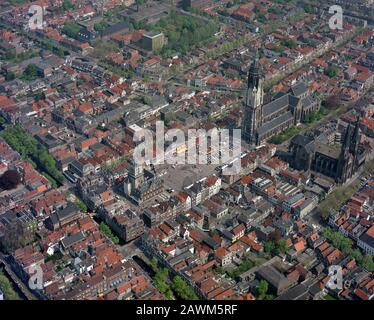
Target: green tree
[[262, 289], [331, 72], [275, 10], [169, 118], [31, 72], [282, 246], [246, 264], [275, 248], [10, 76], [357, 255], [184, 32], [345, 244], [100, 26], [67, 5], [7, 288], [367, 263], [183, 290], [71, 30], [154, 264], [104, 228], [39, 95], [269, 247], [161, 282], [308, 9], [289, 43], [81, 205], [145, 99], [59, 51], [140, 2]]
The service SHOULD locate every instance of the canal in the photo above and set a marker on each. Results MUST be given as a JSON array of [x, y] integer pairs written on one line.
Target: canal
[[145, 266], [15, 287]]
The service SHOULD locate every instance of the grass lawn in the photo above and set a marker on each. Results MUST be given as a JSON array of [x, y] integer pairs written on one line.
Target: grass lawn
[[329, 297], [285, 135]]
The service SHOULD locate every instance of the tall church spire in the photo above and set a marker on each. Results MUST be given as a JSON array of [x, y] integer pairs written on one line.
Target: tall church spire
[[343, 171], [255, 72], [356, 137], [254, 99], [347, 138]]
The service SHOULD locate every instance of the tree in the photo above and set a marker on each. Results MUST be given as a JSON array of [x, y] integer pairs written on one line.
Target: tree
[[100, 26], [289, 43], [10, 179], [275, 10], [184, 32], [71, 30], [39, 96], [104, 228], [10, 76], [31, 72], [183, 290], [140, 2], [338, 240], [281, 246], [169, 118], [67, 5], [357, 255], [145, 100], [154, 264], [59, 51], [308, 9], [16, 235], [161, 280], [367, 263], [262, 289], [7, 288], [275, 248], [81, 205], [345, 244], [331, 72], [269, 246], [246, 264], [115, 240], [30, 149]]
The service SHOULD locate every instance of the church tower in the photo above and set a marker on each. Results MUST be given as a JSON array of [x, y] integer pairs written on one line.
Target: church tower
[[136, 174], [254, 100], [345, 161], [355, 142]]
